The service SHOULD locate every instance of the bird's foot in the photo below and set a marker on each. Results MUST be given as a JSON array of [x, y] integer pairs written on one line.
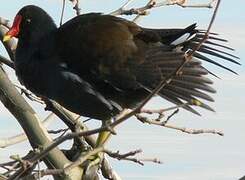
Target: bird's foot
[[94, 161]]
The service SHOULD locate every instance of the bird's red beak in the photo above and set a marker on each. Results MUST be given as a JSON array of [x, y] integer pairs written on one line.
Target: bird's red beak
[[14, 30]]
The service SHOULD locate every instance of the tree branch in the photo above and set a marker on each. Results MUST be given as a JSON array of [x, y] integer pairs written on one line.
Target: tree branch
[[10, 45], [76, 6], [127, 157], [6, 62], [5, 142], [5, 22], [154, 4], [183, 129]]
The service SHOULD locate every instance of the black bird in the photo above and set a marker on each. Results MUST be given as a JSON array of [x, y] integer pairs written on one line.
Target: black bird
[[96, 65]]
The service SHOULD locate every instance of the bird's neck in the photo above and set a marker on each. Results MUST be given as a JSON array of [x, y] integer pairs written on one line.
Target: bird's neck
[[36, 47], [33, 37]]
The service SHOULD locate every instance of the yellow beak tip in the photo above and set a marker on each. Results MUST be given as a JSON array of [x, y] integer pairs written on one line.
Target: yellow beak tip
[[6, 38]]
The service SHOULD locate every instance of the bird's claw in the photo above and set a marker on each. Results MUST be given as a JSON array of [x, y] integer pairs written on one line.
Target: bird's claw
[[95, 161]]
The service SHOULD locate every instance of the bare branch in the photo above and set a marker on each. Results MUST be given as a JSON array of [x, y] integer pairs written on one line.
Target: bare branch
[[17, 163], [68, 168], [183, 129], [154, 4], [206, 33], [29, 94], [149, 5], [58, 131], [127, 156], [5, 22], [207, 5], [6, 62], [62, 11], [137, 11], [2, 177], [5, 142], [76, 6], [119, 156], [10, 45], [45, 172], [72, 121], [161, 111]]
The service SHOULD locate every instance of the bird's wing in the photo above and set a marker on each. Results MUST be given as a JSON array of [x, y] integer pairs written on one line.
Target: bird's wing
[[72, 92], [163, 60], [101, 45], [130, 57], [168, 36], [190, 85], [82, 98], [212, 50]]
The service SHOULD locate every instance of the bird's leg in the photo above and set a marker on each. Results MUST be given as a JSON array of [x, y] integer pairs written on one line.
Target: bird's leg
[[103, 137]]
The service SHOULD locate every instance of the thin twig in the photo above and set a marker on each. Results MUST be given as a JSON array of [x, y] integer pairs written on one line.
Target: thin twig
[[7, 62], [154, 4], [46, 172], [18, 162], [62, 11], [29, 94], [66, 170], [183, 129], [148, 6], [121, 9], [160, 111], [127, 157], [58, 131], [76, 6], [136, 11], [72, 121], [207, 5], [2, 177], [208, 30], [10, 45], [171, 115], [5, 22], [39, 169], [119, 156]]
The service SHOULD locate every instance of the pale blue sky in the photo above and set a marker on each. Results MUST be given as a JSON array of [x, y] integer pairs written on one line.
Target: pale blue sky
[[185, 157]]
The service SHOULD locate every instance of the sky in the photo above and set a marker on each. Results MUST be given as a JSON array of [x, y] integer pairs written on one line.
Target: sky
[[203, 157]]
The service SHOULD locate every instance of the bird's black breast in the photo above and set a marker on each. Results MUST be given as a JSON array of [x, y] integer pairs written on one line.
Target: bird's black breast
[[48, 78]]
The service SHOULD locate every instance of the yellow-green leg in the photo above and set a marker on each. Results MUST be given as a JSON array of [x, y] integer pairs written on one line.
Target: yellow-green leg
[[102, 138]]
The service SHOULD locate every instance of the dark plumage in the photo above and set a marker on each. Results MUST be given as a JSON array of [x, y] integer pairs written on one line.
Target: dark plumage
[[96, 64]]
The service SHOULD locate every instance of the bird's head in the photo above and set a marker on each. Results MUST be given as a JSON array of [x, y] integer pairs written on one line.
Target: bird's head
[[30, 21]]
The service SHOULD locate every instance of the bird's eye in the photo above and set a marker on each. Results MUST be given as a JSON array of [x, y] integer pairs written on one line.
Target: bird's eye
[[28, 20]]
